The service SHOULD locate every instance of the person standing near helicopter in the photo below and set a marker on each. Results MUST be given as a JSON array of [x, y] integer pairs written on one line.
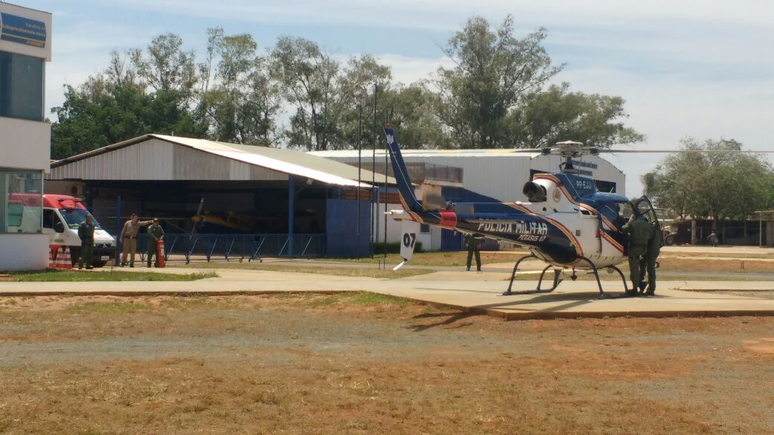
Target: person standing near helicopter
[[654, 249], [474, 247], [640, 233]]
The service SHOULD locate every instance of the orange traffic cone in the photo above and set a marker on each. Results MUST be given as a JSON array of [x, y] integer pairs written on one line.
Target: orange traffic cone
[[52, 249], [160, 254], [63, 260]]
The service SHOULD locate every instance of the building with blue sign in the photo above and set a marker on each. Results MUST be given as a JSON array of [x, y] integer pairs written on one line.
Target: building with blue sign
[[25, 137]]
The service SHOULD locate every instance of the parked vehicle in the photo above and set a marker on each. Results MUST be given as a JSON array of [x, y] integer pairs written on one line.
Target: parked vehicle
[[62, 215]]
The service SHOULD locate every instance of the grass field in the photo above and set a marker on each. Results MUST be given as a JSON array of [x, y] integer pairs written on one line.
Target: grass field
[[86, 276], [353, 272], [358, 363], [359, 272], [455, 258], [675, 265]]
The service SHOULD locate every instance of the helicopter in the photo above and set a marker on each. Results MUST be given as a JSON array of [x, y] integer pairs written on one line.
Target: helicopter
[[566, 223]]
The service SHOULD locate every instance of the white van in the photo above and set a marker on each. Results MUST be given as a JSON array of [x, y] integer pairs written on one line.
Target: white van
[[62, 215]]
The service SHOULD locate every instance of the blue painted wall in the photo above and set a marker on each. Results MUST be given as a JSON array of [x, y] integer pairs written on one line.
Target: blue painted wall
[[341, 228]]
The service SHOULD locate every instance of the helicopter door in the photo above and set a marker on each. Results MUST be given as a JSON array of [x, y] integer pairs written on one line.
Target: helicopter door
[[645, 208]]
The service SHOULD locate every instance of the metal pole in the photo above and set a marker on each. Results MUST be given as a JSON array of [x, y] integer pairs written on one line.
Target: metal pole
[[760, 230], [376, 220], [118, 230], [385, 200], [291, 210], [359, 166], [374, 189]]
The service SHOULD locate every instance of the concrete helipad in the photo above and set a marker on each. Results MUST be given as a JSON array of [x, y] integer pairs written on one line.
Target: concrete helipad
[[581, 298], [470, 291]]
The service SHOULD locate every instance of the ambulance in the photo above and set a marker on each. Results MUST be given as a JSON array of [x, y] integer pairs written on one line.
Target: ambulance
[[62, 215]]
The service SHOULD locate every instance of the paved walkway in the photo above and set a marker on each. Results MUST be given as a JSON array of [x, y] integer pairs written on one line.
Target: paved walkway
[[477, 292]]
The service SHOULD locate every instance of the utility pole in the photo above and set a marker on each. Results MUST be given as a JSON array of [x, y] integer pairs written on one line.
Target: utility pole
[[374, 201], [359, 166]]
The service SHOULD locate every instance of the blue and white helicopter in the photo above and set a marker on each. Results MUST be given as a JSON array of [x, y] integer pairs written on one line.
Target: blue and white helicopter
[[567, 223]]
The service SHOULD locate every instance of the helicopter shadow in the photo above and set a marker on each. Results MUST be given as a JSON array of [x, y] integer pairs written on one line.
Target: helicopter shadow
[[448, 320], [572, 300]]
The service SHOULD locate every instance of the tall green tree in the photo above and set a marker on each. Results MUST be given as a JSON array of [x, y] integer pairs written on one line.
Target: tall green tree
[[325, 94], [240, 99], [165, 67], [494, 71], [114, 106], [308, 75], [712, 180], [411, 110], [557, 114]]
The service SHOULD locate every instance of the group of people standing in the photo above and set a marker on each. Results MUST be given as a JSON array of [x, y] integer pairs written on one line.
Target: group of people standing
[[128, 238], [644, 248]]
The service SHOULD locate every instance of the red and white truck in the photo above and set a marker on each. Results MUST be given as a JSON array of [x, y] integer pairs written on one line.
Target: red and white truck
[[62, 215]]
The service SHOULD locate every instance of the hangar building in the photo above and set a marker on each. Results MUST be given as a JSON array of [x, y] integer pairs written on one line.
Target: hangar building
[[476, 175], [299, 199]]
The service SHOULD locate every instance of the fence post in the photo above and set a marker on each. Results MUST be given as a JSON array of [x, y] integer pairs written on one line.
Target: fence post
[[118, 229], [291, 212]]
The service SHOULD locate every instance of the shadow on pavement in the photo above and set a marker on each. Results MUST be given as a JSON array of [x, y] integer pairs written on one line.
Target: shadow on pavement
[[448, 321]]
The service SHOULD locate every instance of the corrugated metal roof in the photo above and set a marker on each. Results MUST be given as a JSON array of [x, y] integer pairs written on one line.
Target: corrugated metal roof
[[290, 162], [367, 154]]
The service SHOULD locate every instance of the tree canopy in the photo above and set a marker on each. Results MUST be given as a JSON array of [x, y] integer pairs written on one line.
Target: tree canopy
[[720, 184], [557, 114], [494, 72], [113, 106], [297, 94]]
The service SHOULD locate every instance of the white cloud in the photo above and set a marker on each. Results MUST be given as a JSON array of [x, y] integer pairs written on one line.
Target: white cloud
[[448, 14], [82, 48], [408, 70], [669, 108]]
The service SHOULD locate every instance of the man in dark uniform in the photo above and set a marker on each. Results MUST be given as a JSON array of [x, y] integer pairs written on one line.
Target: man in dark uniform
[[654, 249], [639, 232], [474, 246], [86, 234], [155, 233]]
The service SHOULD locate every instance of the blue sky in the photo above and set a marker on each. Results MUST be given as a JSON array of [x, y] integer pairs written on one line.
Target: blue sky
[[700, 68]]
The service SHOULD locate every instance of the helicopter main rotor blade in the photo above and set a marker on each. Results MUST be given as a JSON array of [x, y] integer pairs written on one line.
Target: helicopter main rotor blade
[[681, 151]]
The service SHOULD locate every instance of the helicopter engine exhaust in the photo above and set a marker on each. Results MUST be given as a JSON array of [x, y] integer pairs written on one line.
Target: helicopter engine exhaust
[[534, 192]]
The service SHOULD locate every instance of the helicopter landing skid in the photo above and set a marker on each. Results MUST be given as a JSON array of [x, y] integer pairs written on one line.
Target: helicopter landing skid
[[557, 280]]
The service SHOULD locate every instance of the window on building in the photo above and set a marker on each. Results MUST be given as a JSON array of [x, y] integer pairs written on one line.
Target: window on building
[[424, 228], [21, 201], [21, 86]]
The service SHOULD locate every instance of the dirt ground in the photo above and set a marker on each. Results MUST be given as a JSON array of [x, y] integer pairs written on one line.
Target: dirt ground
[[361, 363]]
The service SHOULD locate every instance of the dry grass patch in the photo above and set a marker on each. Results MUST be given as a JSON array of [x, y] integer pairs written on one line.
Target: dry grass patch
[[362, 363], [357, 272], [442, 258], [53, 275], [309, 267]]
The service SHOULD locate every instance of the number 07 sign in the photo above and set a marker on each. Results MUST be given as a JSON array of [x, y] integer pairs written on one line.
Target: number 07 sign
[[408, 241]]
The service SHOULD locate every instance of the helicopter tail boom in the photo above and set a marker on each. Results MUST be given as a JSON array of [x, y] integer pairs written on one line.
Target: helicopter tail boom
[[405, 188]]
